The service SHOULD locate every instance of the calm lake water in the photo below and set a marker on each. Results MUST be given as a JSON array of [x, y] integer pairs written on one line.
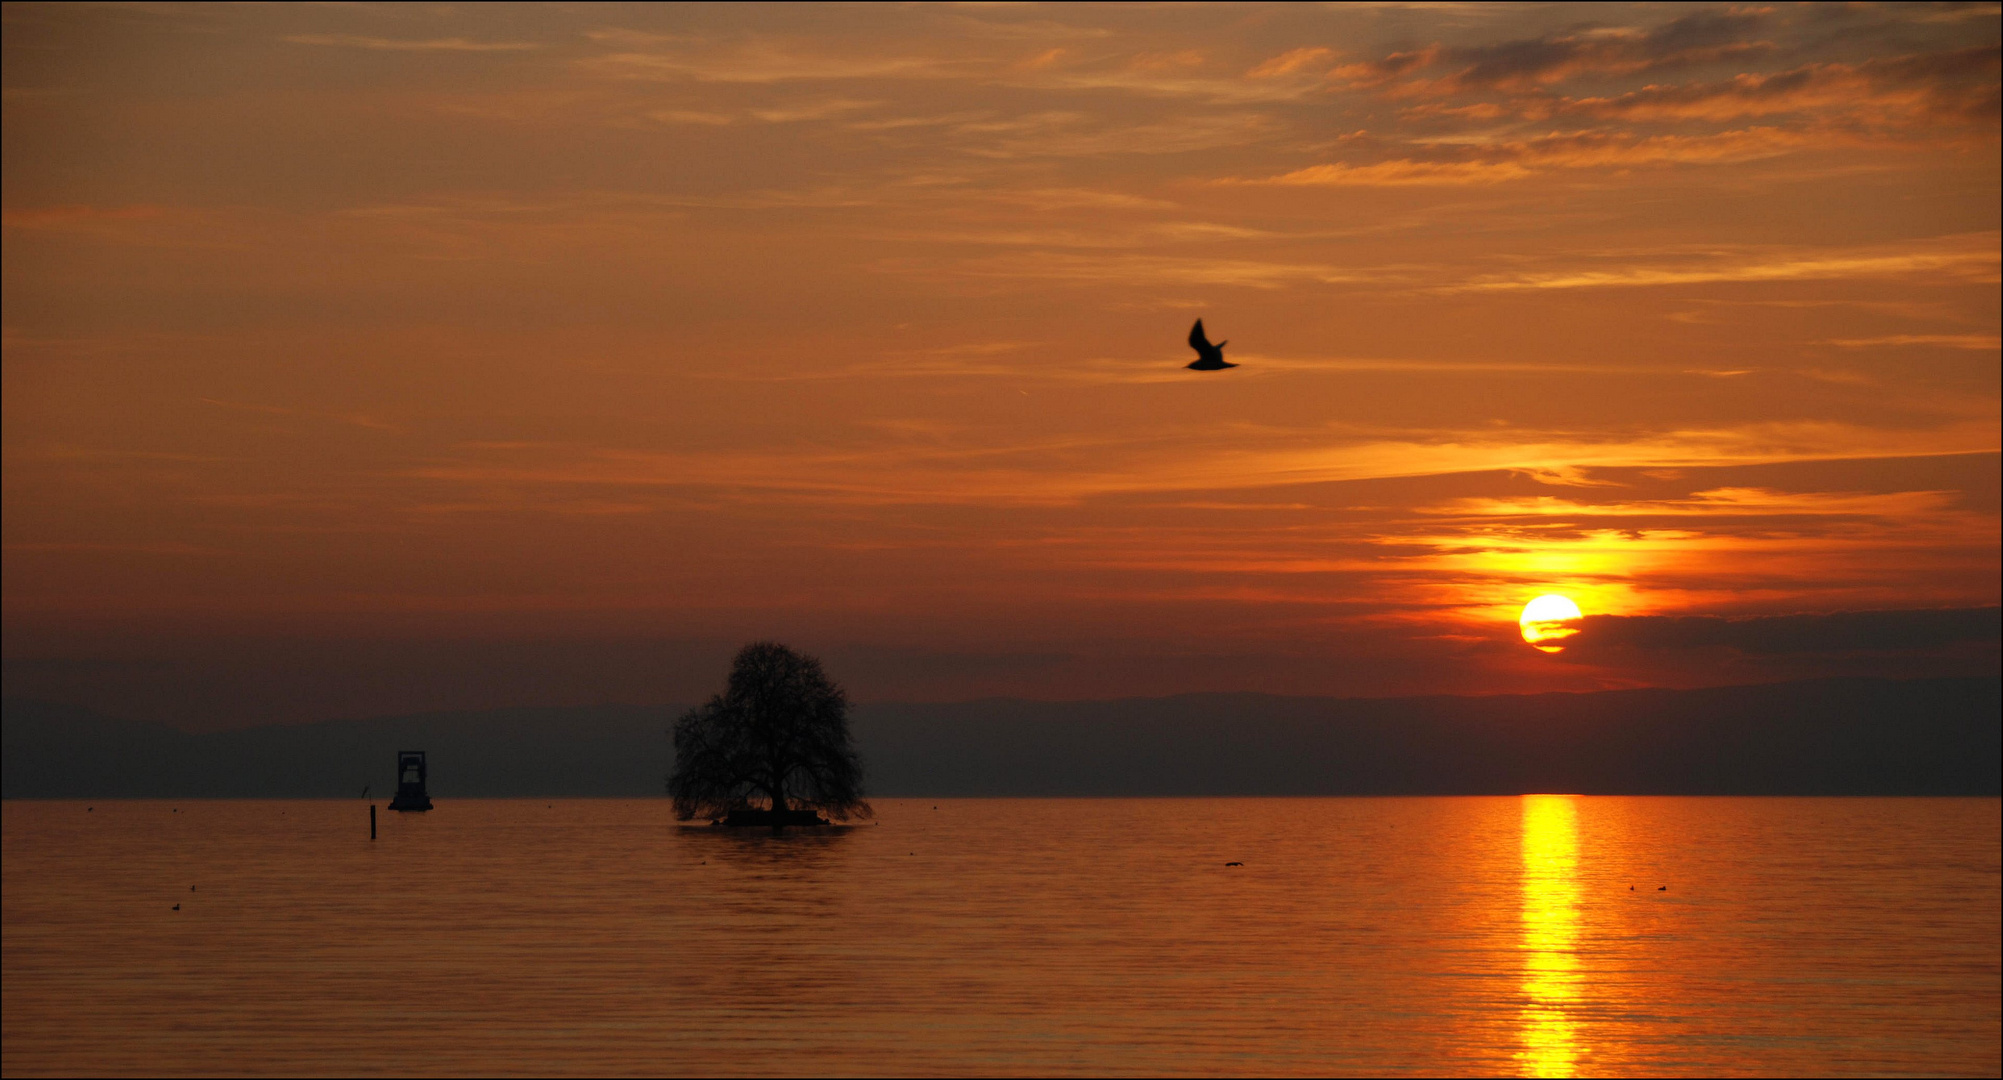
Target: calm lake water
[[1480, 935]]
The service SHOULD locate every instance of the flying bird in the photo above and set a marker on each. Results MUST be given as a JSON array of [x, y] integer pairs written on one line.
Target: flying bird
[[1208, 357]]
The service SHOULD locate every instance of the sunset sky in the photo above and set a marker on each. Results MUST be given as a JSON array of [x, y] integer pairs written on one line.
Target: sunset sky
[[367, 359]]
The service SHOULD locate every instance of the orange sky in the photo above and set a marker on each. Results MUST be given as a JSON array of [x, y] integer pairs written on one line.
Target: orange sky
[[374, 359]]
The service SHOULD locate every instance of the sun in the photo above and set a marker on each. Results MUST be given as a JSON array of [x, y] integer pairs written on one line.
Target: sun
[[1549, 620]]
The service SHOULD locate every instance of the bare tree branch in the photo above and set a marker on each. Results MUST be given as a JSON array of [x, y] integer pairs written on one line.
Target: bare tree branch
[[778, 732]]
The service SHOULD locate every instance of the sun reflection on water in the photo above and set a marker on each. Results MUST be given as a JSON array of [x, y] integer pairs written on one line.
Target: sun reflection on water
[[1551, 977]]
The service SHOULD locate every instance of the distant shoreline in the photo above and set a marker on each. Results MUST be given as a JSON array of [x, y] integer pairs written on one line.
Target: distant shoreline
[[1858, 736]]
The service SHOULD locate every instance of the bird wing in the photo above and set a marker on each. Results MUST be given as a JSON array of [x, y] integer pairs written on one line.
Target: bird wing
[[1197, 340]]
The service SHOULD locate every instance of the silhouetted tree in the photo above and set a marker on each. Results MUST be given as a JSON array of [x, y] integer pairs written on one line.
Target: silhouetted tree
[[779, 731]]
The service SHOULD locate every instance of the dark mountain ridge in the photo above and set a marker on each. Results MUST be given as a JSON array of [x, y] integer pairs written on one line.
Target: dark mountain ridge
[[1826, 736]]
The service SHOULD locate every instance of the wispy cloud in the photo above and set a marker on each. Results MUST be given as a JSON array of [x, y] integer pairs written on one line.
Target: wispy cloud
[[1959, 85], [1970, 258], [1133, 269], [1970, 342], [1053, 471], [1831, 632], [1737, 502], [1530, 63], [1292, 61], [1497, 162], [454, 44], [649, 56], [77, 215]]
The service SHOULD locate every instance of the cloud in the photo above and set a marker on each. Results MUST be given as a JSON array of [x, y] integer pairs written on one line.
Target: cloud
[[1400, 173], [77, 215], [141, 549], [1517, 160], [357, 41], [1843, 631], [1958, 85], [1291, 61], [1531, 63], [1130, 270], [656, 57], [1970, 342], [1002, 470], [949, 55], [1157, 77], [1060, 133], [1971, 258], [1732, 501], [811, 110], [1887, 97], [143, 224]]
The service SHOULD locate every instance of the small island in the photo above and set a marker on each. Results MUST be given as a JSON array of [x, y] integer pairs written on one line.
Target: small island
[[777, 735]]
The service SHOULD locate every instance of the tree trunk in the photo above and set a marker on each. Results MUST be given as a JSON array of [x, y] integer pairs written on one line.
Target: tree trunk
[[775, 789]]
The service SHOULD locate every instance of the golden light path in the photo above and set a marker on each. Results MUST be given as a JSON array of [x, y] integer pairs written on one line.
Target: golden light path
[[1551, 976], [1548, 620]]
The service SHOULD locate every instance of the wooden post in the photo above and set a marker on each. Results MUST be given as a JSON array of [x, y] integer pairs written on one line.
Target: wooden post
[[372, 821]]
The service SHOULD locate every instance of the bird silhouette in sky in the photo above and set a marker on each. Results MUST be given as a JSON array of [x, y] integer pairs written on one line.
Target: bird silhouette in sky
[[1208, 357]]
